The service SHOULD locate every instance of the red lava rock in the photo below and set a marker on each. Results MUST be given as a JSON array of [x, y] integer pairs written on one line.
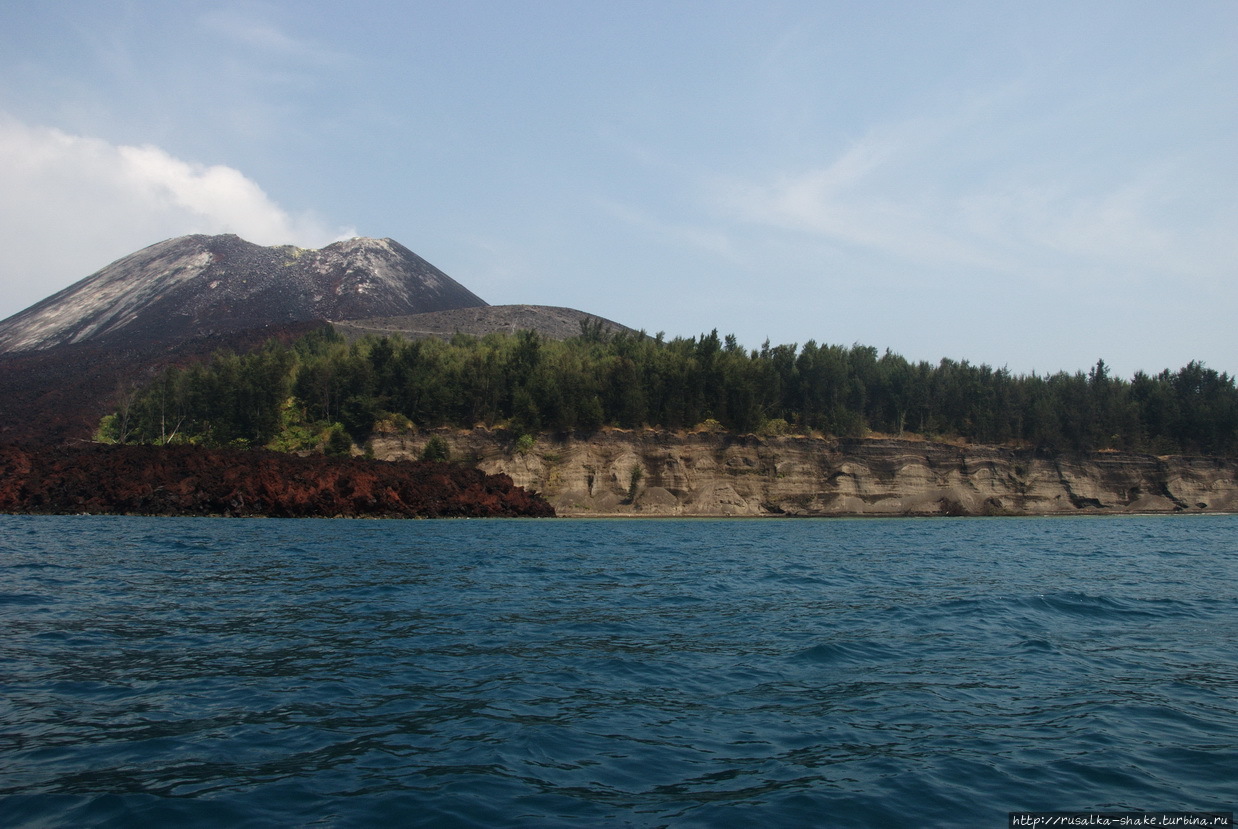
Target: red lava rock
[[190, 480]]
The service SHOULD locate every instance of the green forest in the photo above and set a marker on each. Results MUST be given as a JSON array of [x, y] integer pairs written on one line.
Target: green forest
[[322, 392]]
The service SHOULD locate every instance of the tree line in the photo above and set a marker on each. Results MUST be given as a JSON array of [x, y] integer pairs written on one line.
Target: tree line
[[324, 392]]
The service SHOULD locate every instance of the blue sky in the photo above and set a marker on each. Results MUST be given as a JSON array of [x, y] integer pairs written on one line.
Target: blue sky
[[1030, 185]]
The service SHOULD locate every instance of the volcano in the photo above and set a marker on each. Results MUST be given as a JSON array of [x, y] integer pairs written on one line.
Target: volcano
[[196, 287], [63, 360]]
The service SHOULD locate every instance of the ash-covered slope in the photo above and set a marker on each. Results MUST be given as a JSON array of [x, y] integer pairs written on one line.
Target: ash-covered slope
[[201, 286], [548, 320]]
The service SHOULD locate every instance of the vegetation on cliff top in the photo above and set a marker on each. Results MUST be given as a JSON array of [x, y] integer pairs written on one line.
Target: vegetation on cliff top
[[324, 393]]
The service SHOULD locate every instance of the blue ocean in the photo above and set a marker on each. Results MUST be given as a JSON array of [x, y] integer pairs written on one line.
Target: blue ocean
[[642, 673]]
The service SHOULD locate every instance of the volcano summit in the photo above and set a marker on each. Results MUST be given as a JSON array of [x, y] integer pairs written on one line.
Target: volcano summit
[[64, 359], [203, 286]]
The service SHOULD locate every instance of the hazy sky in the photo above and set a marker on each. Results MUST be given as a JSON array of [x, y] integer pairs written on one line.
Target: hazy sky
[[1026, 184]]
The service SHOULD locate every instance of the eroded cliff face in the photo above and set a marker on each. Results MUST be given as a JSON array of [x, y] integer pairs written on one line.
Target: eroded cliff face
[[660, 473]]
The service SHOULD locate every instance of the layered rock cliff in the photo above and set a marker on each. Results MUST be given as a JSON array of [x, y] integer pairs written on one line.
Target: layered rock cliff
[[653, 473]]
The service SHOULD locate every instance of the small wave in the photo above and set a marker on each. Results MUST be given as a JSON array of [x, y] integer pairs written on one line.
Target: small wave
[[852, 652], [36, 565], [25, 599], [1037, 646], [1086, 605]]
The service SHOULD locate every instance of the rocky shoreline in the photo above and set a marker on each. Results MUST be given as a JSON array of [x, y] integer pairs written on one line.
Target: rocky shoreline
[[661, 473], [613, 473], [192, 481]]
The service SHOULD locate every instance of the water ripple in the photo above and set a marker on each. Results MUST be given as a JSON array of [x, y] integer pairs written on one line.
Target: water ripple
[[629, 673]]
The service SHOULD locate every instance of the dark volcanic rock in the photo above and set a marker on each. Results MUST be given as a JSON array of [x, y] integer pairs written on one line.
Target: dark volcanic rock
[[201, 286], [186, 480]]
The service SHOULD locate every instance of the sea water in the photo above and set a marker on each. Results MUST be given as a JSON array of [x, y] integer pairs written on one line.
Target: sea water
[[902, 672]]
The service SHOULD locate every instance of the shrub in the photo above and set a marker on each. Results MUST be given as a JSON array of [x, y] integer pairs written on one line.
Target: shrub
[[338, 442], [774, 428], [392, 423], [109, 430], [436, 449]]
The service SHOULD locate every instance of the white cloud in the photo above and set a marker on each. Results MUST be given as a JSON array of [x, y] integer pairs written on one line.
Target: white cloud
[[73, 204], [868, 197], [910, 193], [265, 39]]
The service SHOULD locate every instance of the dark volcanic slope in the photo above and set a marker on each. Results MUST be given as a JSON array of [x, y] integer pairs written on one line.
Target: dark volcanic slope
[[547, 320], [55, 395], [202, 286]]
